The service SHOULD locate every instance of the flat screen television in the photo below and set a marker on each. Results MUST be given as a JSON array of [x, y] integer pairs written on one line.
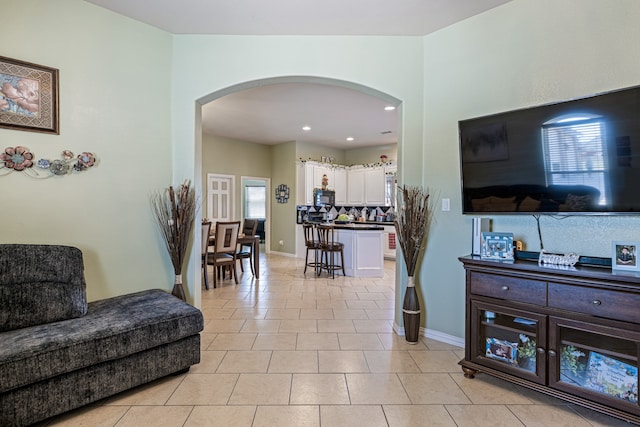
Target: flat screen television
[[581, 156]]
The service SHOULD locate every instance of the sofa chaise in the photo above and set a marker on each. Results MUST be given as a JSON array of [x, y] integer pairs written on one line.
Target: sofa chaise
[[58, 352]]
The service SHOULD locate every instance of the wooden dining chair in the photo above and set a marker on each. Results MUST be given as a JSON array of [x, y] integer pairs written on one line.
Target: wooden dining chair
[[330, 248], [206, 230], [224, 248], [245, 250]]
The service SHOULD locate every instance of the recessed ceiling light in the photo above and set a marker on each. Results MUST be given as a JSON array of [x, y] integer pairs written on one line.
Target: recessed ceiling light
[[306, 128], [389, 108], [350, 138]]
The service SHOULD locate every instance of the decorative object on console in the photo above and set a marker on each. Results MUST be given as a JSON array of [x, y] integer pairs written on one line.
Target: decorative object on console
[[478, 226], [175, 211], [282, 193], [498, 246], [20, 159], [28, 96], [412, 223], [568, 260], [625, 256], [527, 352]]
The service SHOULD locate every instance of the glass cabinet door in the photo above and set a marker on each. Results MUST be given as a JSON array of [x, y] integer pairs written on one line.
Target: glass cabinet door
[[595, 361], [509, 340]]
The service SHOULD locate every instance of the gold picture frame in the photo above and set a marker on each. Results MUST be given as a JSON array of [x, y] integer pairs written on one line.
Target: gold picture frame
[[28, 97]]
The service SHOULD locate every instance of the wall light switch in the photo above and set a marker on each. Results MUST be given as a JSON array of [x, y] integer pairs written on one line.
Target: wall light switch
[[446, 204]]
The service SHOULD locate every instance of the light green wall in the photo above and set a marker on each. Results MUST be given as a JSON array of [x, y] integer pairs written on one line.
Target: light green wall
[[368, 155], [233, 157], [205, 67], [115, 102], [129, 92], [525, 53], [307, 151], [283, 215]]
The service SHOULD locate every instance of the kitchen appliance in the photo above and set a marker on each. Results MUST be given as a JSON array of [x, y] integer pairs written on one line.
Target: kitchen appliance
[[324, 197], [316, 217]]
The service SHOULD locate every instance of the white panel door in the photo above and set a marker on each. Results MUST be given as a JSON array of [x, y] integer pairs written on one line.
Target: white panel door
[[220, 202]]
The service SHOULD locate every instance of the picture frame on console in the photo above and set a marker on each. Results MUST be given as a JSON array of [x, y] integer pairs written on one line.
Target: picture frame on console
[[624, 256], [497, 246]]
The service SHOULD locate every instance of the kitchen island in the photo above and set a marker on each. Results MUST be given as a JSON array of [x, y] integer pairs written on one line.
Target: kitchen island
[[363, 248]]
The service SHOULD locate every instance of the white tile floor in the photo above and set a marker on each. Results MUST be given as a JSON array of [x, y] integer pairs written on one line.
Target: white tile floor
[[289, 350]]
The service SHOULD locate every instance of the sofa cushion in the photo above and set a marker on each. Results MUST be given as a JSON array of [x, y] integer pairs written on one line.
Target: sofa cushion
[[494, 204], [113, 328], [40, 284]]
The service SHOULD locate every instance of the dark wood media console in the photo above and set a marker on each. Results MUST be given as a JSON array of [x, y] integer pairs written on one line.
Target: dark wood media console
[[573, 333]]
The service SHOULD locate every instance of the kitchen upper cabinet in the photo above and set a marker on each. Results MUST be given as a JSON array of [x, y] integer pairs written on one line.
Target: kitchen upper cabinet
[[356, 187], [340, 180], [366, 186], [304, 184], [318, 172], [374, 186]]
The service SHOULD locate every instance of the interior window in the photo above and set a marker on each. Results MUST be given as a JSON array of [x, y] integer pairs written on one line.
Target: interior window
[[575, 152], [255, 202]]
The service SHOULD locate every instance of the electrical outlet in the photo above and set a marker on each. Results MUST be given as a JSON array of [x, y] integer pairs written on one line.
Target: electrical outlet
[[446, 205]]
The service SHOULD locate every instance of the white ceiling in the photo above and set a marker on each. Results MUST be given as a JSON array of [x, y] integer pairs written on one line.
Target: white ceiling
[[271, 114]]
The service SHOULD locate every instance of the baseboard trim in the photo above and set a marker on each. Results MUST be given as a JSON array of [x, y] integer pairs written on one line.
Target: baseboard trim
[[285, 254], [435, 335]]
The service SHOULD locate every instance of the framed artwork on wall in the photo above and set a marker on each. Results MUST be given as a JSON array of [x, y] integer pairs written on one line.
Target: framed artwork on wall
[[28, 96]]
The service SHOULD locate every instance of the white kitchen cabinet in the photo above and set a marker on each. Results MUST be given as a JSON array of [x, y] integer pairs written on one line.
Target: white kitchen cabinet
[[366, 186], [363, 255], [318, 172], [356, 186], [309, 177], [374, 186], [340, 180]]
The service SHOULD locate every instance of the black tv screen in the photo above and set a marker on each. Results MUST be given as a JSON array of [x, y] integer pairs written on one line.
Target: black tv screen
[[580, 156]]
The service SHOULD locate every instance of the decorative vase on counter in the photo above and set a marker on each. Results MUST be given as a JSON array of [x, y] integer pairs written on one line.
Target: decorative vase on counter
[[178, 290], [411, 313]]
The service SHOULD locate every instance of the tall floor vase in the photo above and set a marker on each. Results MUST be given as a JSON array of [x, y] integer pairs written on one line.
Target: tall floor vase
[[178, 290], [411, 313]]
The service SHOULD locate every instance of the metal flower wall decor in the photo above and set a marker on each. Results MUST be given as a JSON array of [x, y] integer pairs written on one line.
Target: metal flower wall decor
[[20, 159]]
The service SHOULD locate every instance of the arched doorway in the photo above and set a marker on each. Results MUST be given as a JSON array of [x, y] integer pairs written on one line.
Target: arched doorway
[[329, 82]]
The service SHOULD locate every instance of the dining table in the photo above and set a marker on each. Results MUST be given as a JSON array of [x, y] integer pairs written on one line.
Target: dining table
[[254, 241]]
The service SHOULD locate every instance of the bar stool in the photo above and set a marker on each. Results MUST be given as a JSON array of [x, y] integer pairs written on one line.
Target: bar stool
[[312, 244], [326, 235]]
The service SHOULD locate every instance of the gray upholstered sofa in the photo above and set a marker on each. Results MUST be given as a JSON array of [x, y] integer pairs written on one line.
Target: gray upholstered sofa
[[58, 353]]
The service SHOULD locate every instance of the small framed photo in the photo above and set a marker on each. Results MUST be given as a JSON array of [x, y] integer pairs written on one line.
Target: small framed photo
[[498, 246], [28, 96], [502, 350], [624, 256]]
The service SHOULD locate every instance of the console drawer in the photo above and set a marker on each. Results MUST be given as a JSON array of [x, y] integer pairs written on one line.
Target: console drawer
[[616, 305], [509, 288]]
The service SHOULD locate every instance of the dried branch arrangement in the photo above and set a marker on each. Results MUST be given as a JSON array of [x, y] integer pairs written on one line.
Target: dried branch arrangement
[[175, 211], [413, 218]]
